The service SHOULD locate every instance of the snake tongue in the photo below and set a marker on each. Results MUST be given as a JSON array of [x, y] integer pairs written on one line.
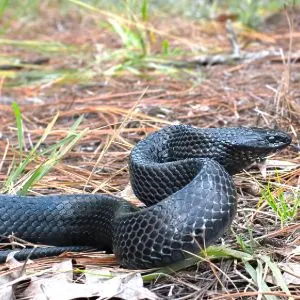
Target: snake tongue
[[262, 166]]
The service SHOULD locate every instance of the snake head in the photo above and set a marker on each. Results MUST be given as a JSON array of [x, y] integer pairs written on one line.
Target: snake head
[[244, 146], [262, 140]]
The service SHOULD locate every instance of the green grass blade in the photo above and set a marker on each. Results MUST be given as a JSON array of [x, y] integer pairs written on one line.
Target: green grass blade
[[256, 276], [38, 46], [280, 202], [53, 148], [216, 252], [171, 269], [119, 30], [19, 122], [58, 152], [45, 134], [277, 274], [66, 148], [144, 10], [76, 124], [18, 170], [131, 40], [210, 253], [3, 6], [165, 47], [38, 174], [85, 5]]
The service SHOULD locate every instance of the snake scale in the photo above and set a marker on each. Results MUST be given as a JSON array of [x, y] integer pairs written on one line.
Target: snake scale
[[183, 174]]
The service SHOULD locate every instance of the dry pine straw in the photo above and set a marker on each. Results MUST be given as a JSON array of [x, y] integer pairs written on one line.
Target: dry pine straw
[[201, 106], [254, 94]]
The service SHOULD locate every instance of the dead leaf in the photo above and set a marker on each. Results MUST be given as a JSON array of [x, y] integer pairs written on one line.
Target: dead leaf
[[99, 284], [7, 293], [63, 270], [128, 286], [291, 268]]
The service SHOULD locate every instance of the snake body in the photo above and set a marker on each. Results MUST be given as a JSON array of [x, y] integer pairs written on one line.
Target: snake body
[[181, 173]]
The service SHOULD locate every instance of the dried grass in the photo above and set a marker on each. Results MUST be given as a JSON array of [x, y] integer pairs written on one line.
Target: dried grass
[[260, 93]]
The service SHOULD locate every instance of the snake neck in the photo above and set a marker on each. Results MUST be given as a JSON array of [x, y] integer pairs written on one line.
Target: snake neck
[[234, 148]]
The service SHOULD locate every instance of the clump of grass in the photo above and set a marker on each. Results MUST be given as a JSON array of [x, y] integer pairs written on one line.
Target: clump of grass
[[246, 242], [137, 36], [265, 265], [19, 73], [284, 204], [19, 180], [251, 13], [208, 254], [256, 266]]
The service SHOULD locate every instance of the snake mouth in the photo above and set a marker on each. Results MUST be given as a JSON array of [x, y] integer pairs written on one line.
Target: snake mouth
[[282, 146]]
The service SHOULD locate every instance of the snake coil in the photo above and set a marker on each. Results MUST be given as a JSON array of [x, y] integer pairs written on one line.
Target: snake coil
[[181, 173]]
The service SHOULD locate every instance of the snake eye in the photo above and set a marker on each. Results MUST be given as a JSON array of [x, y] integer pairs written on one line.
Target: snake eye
[[271, 139]]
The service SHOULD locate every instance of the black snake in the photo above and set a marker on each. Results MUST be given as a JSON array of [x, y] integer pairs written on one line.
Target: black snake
[[182, 173]]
